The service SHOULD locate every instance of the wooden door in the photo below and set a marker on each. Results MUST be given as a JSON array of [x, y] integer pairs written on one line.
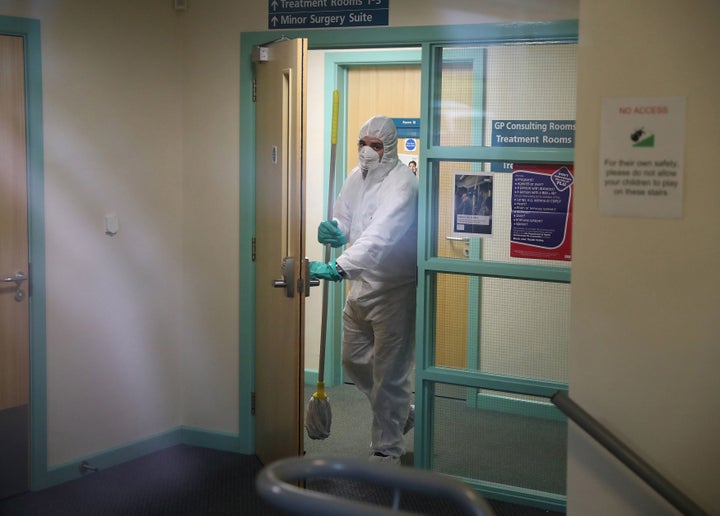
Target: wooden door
[[390, 90], [14, 314], [280, 250]]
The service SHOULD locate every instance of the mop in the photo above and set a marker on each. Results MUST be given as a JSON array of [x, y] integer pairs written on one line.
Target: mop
[[318, 417]]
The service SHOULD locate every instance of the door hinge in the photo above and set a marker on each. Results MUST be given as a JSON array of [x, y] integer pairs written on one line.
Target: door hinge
[[254, 89], [252, 403], [254, 249]]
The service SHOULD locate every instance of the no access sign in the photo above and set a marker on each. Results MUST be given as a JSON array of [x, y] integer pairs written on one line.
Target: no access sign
[[319, 14]]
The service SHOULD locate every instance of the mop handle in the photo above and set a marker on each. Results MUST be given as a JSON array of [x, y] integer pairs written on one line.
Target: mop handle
[[331, 198]]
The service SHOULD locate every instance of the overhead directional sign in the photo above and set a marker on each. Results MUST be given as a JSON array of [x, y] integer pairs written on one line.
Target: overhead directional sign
[[319, 14]]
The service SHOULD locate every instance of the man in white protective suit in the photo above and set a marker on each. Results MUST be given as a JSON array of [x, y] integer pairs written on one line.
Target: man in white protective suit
[[376, 214]]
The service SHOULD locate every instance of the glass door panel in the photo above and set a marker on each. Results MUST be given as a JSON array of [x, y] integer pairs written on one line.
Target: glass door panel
[[496, 328], [502, 444]]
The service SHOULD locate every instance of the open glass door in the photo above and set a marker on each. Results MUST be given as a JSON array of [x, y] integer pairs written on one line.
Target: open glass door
[[493, 327]]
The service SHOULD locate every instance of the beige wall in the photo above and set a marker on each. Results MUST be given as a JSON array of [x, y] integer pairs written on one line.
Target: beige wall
[[645, 327], [112, 136]]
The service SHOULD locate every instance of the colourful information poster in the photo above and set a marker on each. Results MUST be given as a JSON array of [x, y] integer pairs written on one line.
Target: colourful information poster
[[541, 221], [472, 205]]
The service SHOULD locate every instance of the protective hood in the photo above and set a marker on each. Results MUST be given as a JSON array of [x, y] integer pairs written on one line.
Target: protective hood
[[383, 128]]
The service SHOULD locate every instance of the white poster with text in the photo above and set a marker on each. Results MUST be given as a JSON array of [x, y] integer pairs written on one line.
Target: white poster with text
[[642, 144]]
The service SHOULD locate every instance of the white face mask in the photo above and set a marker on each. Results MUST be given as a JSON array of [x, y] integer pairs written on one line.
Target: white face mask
[[369, 159]]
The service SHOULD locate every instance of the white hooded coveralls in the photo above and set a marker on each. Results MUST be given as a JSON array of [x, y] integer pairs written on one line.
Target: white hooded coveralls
[[378, 213]]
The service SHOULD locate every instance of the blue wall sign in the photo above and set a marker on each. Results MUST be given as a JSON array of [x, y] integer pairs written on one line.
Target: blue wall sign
[[410, 144], [407, 127], [321, 14], [531, 133]]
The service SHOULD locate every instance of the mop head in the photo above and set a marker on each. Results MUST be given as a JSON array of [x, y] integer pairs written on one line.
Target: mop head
[[319, 415]]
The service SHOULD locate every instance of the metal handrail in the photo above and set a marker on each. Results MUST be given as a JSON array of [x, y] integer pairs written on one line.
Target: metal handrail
[[274, 483], [625, 455]]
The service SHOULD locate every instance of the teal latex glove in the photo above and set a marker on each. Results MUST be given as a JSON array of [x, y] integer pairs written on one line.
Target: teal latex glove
[[326, 271], [330, 233]]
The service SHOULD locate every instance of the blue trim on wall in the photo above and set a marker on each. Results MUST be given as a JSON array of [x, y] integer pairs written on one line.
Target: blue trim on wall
[[29, 30], [117, 455], [210, 439]]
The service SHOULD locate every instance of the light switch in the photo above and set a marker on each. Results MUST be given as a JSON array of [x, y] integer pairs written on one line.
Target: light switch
[[112, 225]]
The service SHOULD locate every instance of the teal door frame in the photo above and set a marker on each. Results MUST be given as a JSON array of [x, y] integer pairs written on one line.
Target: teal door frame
[[29, 30], [337, 66], [427, 37]]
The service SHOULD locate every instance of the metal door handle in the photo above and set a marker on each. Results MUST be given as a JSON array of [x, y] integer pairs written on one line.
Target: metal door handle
[[310, 282], [288, 274], [17, 278], [287, 269]]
